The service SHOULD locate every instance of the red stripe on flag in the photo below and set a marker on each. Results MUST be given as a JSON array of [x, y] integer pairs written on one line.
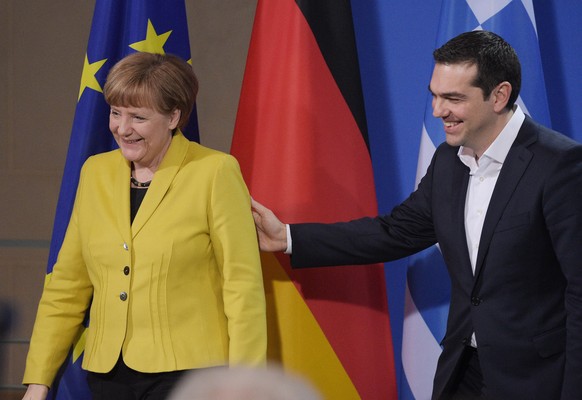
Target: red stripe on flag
[[302, 155]]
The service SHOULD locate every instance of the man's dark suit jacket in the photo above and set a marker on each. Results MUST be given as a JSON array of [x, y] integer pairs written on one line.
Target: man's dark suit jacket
[[524, 302]]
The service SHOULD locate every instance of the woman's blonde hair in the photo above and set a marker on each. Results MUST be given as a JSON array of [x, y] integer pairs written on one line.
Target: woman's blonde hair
[[163, 82]]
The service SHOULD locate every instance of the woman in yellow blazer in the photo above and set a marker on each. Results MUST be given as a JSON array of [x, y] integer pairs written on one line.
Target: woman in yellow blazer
[[161, 246]]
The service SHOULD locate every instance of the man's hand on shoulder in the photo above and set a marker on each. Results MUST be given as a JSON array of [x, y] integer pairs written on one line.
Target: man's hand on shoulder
[[271, 231]]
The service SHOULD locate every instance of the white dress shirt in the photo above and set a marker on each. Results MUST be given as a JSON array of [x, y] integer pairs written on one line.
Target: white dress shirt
[[483, 174]]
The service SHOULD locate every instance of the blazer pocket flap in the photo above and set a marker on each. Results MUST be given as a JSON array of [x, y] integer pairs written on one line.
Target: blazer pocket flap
[[550, 343], [512, 222]]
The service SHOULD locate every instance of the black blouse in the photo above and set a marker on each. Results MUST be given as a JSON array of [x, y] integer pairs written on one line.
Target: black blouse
[[135, 198]]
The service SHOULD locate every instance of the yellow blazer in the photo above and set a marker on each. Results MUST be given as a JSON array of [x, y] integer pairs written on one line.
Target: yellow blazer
[[180, 288]]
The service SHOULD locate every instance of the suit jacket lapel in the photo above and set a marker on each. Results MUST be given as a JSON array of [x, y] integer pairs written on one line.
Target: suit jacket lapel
[[461, 180], [161, 183], [513, 169]]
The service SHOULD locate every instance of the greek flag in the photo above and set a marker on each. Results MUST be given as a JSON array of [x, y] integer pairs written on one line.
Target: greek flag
[[428, 288]]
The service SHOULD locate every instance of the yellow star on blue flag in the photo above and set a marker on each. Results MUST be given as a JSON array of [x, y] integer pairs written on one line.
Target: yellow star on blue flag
[[153, 43], [88, 79]]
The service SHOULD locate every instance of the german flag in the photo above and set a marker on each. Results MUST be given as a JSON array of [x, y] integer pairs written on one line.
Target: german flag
[[301, 139]]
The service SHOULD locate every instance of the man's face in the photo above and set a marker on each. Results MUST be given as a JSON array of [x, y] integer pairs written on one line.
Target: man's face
[[469, 120]]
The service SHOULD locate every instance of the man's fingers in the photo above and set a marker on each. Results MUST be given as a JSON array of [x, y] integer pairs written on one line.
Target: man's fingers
[[258, 207]]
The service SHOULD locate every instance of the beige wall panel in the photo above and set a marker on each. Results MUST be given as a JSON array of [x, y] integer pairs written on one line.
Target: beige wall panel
[[49, 43], [220, 32], [21, 285], [6, 63], [23, 273], [28, 204], [15, 354]]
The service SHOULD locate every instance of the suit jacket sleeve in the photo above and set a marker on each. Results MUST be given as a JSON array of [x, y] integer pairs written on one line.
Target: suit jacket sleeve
[[563, 212], [407, 230]]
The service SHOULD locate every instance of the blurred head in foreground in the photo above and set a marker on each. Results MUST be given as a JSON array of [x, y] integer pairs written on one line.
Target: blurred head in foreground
[[241, 383]]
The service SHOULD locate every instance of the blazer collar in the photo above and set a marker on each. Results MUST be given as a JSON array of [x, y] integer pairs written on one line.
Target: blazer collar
[[515, 164], [163, 178]]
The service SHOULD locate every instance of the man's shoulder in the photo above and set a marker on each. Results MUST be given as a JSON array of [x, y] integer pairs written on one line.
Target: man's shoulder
[[546, 137]]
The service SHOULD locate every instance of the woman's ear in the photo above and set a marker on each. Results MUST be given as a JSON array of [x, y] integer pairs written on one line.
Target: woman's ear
[[175, 118]]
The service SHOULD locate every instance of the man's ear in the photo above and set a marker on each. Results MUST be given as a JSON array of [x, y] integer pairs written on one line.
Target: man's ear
[[501, 95]]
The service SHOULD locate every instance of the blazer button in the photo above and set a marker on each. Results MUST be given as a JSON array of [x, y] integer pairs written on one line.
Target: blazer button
[[123, 296], [126, 270], [125, 246], [476, 300]]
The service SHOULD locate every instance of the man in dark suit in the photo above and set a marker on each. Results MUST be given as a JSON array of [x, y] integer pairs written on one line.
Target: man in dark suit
[[503, 198]]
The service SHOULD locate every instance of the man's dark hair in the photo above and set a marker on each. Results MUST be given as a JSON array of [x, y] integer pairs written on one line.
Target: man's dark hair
[[495, 59]]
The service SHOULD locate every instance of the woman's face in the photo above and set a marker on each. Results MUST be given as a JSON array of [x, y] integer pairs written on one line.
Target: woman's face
[[143, 134]]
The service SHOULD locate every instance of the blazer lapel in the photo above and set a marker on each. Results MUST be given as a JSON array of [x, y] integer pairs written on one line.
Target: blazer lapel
[[515, 164], [121, 192], [161, 183]]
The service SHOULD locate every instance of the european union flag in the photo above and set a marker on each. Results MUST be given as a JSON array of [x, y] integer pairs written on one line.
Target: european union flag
[[119, 27]]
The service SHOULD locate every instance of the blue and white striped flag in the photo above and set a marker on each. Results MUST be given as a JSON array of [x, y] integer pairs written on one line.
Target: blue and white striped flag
[[428, 285]]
